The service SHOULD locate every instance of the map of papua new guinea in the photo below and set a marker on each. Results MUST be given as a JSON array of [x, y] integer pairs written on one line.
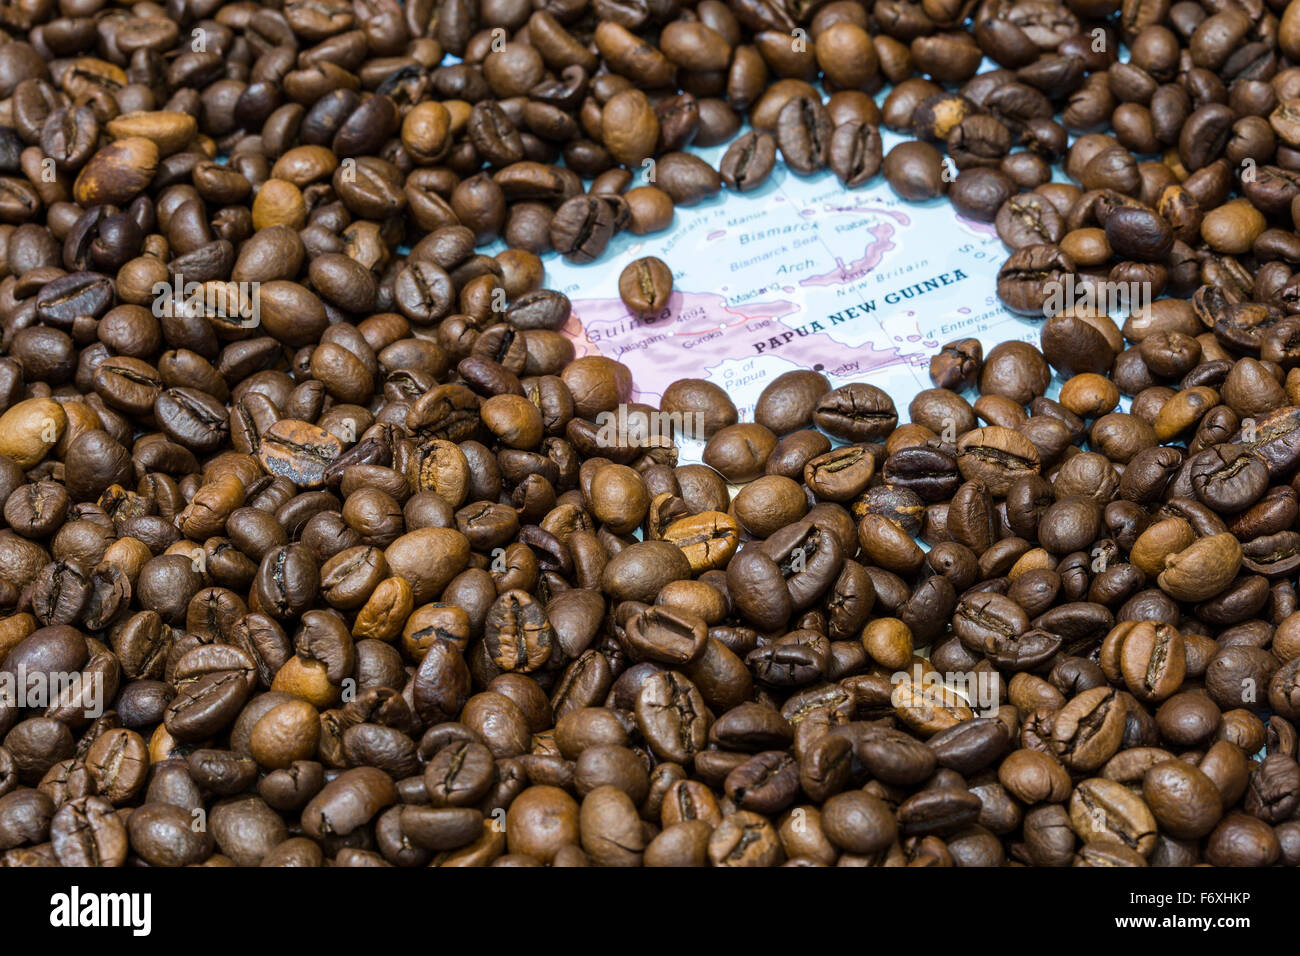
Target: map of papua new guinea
[[801, 273]]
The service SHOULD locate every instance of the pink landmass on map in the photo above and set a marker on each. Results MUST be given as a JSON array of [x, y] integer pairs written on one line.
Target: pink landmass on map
[[702, 331], [882, 237], [902, 218], [977, 227]]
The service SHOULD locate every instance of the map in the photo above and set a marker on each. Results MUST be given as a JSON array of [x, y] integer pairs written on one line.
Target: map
[[801, 273]]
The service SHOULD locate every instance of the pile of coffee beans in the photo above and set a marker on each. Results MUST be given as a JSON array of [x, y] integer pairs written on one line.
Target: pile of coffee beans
[[319, 547]]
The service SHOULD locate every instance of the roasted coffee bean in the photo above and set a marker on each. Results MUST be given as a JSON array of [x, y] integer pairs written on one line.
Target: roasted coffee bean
[[957, 364], [299, 451], [748, 161], [672, 716], [582, 228], [645, 286], [87, 831], [803, 134], [517, 635], [855, 153], [856, 413], [1029, 219], [1030, 277], [915, 171], [996, 457], [840, 475]]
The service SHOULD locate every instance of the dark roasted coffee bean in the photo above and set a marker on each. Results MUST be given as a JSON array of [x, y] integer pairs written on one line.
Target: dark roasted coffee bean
[[855, 153], [645, 286], [582, 227], [803, 134], [748, 161]]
